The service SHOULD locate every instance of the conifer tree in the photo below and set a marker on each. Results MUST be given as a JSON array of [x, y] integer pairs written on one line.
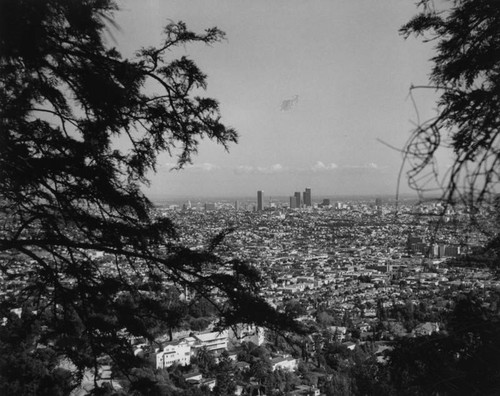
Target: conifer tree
[[69, 193], [466, 76]]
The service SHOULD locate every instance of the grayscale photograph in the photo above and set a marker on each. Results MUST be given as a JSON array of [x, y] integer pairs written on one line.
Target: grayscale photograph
[[249, 197]]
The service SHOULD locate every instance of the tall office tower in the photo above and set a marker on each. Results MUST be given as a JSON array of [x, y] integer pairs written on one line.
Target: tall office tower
[[293, 202], [260, 200], [307, 197], [297, 200], [236, 205]]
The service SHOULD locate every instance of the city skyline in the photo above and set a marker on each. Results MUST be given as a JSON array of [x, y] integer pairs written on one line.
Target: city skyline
[[284, 196], [279, 201], [317, 91]]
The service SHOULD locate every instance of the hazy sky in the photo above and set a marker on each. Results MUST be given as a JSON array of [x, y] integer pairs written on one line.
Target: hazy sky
[[345, 61]]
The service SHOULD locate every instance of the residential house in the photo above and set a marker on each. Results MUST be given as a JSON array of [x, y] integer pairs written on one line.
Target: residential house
[[174, 352], [214, 341], [284, 363]]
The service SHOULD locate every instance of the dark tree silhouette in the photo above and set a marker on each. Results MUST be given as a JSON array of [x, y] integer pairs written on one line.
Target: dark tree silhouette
[[68, 191], [24, 369], [466, 76], [463, 361]]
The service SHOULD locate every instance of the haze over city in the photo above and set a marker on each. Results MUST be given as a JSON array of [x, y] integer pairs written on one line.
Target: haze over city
[[311, 87]]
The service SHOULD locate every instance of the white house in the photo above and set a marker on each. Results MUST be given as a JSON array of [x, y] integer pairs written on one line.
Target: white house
[[213, 342], [339, 332], [174, 352], [247, 333], [180, 351], [424, 329], [284, 363]]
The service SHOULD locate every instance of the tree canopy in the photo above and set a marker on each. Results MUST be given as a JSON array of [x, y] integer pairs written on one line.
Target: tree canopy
[[466, 75], [69, 193]]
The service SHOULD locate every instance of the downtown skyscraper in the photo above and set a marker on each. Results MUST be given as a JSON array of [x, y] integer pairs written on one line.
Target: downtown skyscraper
[[260, 201], [307, 198], [298, 201]]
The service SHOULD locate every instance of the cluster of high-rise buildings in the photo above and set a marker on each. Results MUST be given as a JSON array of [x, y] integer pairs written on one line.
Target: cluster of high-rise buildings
[[298, 200]]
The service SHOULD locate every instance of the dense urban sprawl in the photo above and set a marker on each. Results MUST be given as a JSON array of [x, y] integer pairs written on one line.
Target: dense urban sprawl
[[357, 274]]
